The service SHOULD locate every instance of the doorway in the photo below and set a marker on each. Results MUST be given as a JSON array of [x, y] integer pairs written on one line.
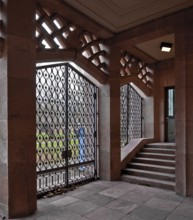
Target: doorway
[[170, 114]]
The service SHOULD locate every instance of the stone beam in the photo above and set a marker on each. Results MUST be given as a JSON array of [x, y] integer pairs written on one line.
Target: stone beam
[[55, 56], [73, 56], [91, 69], [135, 80], [146, 32], [136, 52]]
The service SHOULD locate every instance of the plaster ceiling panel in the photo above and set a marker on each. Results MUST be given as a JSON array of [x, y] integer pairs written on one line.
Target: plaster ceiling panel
[[122, 7], [120, 15], [97, 10]]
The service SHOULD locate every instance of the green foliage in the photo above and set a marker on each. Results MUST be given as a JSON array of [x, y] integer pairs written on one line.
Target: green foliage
[[53, 144]]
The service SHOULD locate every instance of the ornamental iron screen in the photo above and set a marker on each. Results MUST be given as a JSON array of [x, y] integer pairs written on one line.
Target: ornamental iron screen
[[131, 114], [66, 118]]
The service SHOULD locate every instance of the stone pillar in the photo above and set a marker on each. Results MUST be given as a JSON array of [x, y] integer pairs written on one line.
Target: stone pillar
[[148, 121], [104, 132], [18, 112], [109, 110], [184, 108]]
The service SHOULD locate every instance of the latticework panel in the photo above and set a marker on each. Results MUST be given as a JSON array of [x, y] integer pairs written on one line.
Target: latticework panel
[[131, 114], [94, 50], [124, 115], [1, 30], [135, 67], [134, 114], [66, 127], [55, 32], [51, 117]]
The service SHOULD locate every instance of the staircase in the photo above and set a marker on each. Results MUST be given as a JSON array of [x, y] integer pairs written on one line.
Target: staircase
[[153, 166]]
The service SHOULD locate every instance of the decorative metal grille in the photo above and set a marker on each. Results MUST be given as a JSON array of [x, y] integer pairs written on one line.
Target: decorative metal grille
[[66, 127], [124, 115], [131, 114]]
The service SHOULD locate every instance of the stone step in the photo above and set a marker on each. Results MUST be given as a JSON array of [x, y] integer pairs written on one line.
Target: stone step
[[152, 167], [154, 161], [159, 150], [157, 155], [149, 182], [161, 145], [150, 174]]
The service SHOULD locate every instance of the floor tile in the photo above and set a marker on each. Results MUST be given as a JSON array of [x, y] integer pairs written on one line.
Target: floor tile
[[185, 209], [170, 196], [104, 200], [118, 190], [81, 207], [178, 217], [80, 194], [61, 215], [105, 214], [148, 213], [64, 201], [136, 197], [95, 188], [161, 204], [122, 206], [98, 199]]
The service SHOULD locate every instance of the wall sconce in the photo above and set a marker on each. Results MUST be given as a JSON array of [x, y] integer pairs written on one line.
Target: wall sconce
[[165, 47]]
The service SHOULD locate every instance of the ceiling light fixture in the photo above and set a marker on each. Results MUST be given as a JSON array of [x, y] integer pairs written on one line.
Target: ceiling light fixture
[[165, 47]]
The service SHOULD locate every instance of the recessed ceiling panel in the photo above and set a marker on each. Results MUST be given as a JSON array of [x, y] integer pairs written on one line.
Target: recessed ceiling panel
[[120, 15]]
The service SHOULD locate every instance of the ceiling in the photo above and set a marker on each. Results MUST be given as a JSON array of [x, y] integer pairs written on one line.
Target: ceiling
[[121, 15], [152, 47]]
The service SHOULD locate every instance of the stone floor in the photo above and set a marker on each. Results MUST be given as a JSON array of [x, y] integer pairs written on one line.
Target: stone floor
[[103, 200]]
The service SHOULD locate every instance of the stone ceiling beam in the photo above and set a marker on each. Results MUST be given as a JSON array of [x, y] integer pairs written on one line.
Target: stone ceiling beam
[[135, 80], [55, 56], [153, 29], [74, 56]]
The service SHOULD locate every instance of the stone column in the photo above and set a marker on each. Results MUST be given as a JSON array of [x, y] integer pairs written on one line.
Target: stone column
[[184, 108], [109, 110], [18, 112]]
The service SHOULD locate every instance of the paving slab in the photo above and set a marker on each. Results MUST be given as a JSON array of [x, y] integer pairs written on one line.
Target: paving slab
[[81, 194], [103, 213], [118, 190], [98, 199], [64, 201], [148, 213], [136, 197], [185, 208], [105, 200], [122, 206], [81, 207], [178, 217], [61, 215], [161, 204]]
